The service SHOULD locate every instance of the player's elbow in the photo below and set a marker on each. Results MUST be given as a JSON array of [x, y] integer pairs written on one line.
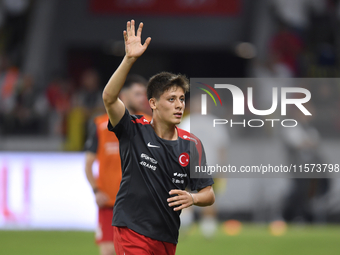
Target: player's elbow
[[212, 198], [108, 99]]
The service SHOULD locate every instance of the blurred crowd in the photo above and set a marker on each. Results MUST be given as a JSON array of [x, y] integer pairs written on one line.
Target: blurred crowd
[[305, 39], [62, 108], [19, 112], [305, 43]]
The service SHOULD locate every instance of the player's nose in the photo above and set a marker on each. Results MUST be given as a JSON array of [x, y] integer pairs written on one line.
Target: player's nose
[[179, 104]]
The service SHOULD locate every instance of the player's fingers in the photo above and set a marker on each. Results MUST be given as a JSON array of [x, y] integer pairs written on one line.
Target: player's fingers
[[147, 42], [139, 30], [175, 203], [176, 198], [179, 202], [133, 27], [171, 199], [125, 35], [176, 191], [128, 28], [181, 207]]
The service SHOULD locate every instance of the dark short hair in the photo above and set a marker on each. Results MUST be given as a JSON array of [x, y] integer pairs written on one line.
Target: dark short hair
[[163, 81], [134, 78]]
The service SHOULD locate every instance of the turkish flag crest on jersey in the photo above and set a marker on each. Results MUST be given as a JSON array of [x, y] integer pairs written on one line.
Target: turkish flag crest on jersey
[[184, 159]]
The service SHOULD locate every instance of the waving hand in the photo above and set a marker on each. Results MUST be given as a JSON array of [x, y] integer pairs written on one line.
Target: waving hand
[[133, 50], [133, 45]]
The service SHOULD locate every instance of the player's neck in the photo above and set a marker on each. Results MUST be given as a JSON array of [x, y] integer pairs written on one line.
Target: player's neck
[[164, 130], [132, 111]]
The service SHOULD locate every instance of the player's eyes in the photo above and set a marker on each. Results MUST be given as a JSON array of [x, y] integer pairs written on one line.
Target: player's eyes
[[173, 99]]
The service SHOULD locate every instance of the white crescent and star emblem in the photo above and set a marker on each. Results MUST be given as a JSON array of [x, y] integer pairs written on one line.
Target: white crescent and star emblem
[[183, 159]]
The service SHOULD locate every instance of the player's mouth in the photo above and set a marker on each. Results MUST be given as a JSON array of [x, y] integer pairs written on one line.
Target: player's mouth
[[178, 114]]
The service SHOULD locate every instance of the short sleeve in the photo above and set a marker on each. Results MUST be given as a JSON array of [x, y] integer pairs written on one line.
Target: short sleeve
[[200, 183], [91, 143], [199, 158], [124, 128]]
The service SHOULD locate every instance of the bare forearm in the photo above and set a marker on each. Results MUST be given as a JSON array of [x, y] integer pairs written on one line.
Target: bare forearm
[[204, 197], [89, 160], [90, 177], [133, 50]]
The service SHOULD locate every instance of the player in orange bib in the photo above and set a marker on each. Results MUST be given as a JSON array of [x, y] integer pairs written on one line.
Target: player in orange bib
[[102, 146]]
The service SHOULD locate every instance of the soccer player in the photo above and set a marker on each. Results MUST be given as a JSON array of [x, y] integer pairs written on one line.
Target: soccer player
[[156, 158], [103, 146]]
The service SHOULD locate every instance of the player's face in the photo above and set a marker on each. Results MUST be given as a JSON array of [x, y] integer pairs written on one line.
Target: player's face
[[137, 97], [170, 106]]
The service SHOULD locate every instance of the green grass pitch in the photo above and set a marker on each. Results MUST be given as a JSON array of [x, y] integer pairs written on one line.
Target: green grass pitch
[[253, 240]]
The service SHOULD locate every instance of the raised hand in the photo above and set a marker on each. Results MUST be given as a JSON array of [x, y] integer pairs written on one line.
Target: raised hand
[[133, 45]]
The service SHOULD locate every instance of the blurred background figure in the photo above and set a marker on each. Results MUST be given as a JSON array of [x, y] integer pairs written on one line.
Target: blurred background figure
[[86, 103], [102, 146], [59, 94], [133, 95], [9, 76], [28, 111], [302, 145], [286, 49], [90, 95], [296, 14]]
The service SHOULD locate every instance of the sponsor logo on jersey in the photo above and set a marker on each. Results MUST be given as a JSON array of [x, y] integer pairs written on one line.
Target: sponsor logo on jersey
[[148, 165], [153, 146], [180, 175], [147, 157]]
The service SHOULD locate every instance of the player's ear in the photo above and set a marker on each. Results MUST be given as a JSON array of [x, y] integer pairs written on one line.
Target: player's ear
[[152, 103]]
